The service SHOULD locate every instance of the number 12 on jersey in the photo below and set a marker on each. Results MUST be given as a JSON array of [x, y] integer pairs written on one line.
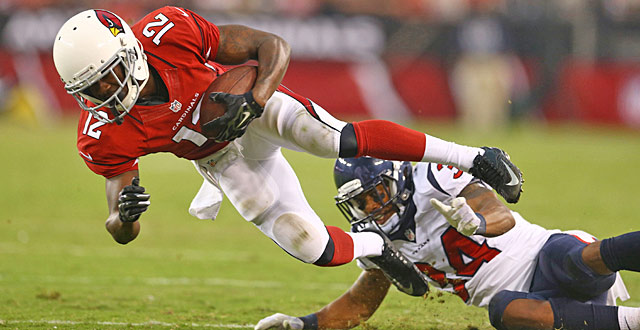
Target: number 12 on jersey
[[163, 21]]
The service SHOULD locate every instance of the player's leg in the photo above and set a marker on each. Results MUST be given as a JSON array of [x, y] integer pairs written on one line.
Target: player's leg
[[387, 140], [521, 310], [562, 271], [303, 125], [614, 254], [267, 193], [285, 123], [569, 279]]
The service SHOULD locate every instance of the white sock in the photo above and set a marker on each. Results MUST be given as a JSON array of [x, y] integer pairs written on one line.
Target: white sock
[[629, 318], [449, 153], [366, 244]]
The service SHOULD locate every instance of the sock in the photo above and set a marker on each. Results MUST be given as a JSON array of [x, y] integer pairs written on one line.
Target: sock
[[449, 153], [387, 140], [366, 244], [629, 318], [621, 252], [569, 314], [339, 249]]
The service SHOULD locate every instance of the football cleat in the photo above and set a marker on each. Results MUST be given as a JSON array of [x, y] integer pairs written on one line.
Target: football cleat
[[400, 270], [495, 168]]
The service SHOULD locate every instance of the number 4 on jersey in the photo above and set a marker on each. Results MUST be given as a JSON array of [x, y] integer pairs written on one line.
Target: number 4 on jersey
[[465, 256]]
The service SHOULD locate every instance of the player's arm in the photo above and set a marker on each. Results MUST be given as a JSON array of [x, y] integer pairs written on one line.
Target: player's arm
[[126, 201], [357, 304], [476, 211], [354, 306], [238, 44], [485, 202]]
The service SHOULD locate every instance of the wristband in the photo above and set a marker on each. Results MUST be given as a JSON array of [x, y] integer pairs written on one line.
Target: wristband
[[482, 228], [310, 322], [251, 102]]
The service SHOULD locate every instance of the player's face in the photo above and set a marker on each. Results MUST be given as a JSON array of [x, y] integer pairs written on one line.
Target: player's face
[[108, 85], [371, 201]]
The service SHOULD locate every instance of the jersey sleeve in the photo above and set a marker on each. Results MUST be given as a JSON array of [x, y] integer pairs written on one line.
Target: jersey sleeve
[[440, 180], [109, 170], [106, 152], [210, 37]]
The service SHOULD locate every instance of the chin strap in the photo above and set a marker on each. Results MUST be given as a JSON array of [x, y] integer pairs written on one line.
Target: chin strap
[[116, 114]]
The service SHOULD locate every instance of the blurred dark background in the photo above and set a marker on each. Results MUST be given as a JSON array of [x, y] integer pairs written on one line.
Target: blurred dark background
[[485, 63]]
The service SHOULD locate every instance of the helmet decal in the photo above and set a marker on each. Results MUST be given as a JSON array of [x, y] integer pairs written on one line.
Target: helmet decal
[[111, 21]]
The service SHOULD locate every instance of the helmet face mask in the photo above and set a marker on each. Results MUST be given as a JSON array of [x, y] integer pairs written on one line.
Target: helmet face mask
[[88, 48], [358, 205], [122, 99], [371, 190]]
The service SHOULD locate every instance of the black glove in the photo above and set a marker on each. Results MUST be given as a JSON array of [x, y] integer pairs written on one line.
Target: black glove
[[241, 110], [133, 201]]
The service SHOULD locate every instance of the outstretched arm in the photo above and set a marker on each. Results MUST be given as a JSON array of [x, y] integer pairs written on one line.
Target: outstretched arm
[[357, 304], [238, 44], [484, 201], [354, 306], [476, 211], [124, 229]]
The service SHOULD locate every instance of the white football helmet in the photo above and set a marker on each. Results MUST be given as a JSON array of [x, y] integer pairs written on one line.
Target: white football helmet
[[87, 48]]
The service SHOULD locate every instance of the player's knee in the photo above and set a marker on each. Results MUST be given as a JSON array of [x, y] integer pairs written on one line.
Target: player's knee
[[583, 278], [299, 238], [503, 318]]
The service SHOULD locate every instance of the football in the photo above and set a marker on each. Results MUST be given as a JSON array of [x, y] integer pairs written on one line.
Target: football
[[238, 80]]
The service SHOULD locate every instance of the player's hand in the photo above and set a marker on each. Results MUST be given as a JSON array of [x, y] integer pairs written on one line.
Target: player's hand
[[132, 201], [280, 321], [461, 216], [241, 110]]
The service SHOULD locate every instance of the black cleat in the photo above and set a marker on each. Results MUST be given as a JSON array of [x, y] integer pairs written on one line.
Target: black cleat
[[495, 168], [400, 270]]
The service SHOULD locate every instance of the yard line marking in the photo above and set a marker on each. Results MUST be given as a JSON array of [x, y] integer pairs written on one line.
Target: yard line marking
[[134, 324], [171, 281]]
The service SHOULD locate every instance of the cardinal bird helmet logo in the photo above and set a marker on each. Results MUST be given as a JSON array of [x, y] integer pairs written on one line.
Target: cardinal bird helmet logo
[[111, 21]]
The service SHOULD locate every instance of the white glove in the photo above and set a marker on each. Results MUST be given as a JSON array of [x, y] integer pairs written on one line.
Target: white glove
[[281, 322], [460, 215]]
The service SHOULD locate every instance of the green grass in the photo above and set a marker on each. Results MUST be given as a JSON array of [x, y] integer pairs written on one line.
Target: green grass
[[59, 268]]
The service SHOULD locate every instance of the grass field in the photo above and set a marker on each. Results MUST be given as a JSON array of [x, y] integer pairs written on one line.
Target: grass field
[[59, 268]]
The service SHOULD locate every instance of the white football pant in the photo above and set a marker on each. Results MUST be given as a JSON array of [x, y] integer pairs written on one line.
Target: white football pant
[[262, 186]]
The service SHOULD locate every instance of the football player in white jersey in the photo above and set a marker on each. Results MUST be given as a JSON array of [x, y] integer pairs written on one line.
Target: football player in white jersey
[[454, 228]]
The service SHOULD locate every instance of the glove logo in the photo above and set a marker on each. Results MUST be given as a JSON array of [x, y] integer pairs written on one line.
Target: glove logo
[[245, 116], [514, 178]]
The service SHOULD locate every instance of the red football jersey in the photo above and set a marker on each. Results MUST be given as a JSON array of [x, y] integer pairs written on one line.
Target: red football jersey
[[180, 45]]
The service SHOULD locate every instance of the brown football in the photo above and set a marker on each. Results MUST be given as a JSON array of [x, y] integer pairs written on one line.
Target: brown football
[[238, 80]]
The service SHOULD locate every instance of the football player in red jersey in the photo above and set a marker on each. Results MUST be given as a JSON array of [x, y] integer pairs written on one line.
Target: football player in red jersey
[[142, 86], [454, 228]]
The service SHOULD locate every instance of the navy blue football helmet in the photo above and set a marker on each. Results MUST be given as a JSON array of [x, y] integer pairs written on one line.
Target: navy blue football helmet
[[357, 177]]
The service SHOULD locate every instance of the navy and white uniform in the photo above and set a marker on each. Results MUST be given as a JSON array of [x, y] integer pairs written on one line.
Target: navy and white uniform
[[476, 267]]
